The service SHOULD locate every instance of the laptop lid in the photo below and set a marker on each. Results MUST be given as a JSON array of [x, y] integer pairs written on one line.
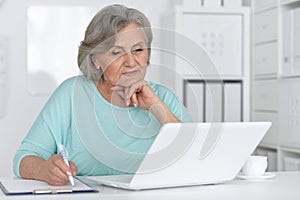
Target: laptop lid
[[198, 153], [193, 154]]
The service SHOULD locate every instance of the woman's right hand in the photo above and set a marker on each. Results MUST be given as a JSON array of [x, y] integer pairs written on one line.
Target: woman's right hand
[[53, 171]]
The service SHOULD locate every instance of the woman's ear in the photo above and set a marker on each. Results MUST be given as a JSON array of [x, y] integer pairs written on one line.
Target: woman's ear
[[95, 62]]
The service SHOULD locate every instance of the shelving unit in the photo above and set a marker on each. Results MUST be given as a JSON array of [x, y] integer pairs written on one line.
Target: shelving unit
[[276, 78], [214, 89]]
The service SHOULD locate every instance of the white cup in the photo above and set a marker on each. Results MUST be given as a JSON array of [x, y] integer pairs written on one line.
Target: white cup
[[255, 166]]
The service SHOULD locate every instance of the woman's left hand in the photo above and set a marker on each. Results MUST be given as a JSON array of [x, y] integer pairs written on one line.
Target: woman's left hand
[[139, 94]]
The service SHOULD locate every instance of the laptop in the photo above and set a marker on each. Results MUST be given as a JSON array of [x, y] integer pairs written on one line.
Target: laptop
[[188, 154]]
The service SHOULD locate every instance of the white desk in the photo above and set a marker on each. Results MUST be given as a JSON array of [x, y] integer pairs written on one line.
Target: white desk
[[286, 185]]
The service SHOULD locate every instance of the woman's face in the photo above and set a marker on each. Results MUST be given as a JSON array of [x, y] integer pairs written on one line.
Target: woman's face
[[125, 63]]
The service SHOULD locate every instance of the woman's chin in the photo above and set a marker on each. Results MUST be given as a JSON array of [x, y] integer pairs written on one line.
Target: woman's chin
[[127, 81]]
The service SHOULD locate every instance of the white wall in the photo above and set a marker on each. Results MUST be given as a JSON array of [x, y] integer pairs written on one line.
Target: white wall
[[21, 107]]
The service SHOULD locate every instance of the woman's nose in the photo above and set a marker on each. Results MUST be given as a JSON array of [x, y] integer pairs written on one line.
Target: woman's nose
[[130, 60]]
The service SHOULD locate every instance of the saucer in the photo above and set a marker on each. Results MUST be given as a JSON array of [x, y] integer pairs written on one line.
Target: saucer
[[266, 175]]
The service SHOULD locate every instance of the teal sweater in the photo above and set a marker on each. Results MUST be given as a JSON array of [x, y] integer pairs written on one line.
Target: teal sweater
[[101, 138]]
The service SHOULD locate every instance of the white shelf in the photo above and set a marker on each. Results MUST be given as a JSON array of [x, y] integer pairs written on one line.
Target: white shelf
[[264, 9], [224, 78], [293, 76], [284, 138], [268, 146], [290, 2], [265, 77], [289, 149], [211, 60]]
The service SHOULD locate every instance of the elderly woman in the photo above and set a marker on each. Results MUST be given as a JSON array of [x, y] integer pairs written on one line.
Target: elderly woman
[[108, 117]]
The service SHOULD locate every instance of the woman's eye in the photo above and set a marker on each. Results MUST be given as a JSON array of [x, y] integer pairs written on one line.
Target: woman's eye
[[116, 52], [138, 49]]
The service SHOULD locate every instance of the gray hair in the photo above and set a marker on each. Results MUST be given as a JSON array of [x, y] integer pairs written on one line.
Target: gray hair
[[99, 35]]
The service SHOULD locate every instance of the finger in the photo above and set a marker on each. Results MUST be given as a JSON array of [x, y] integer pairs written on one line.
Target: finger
[[127, 100], [63, 169], [57, 175], [74, 168], [135, 88], [134, 100], [60, 163], [52, 173]]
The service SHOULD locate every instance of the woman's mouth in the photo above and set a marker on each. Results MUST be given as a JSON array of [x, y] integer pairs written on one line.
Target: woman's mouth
[[131, 73]]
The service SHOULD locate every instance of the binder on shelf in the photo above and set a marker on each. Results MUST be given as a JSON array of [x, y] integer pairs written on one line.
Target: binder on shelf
[[297, 41], [291, 163], [22, 187], [195, 100], [287, 42], [272, 161], [232, 102], [213, 102]]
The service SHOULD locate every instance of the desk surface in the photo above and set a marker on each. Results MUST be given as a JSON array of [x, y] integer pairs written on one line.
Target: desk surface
[[284, 186]]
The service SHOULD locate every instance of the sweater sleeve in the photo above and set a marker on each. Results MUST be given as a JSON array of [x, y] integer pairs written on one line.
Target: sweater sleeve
[[49, 128], [173, 102]]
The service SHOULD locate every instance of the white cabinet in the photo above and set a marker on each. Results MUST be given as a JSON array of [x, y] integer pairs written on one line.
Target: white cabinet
[[290, 113], [289, 96], [288, 2], [272, 136], [264, 59], [287, 42], [221, 36], [276, 77], [265, 94], [297, 41], [206, 56], [265, 67], [266, 26], [265, 71], [263, 4], [290, 42], [291, 164]]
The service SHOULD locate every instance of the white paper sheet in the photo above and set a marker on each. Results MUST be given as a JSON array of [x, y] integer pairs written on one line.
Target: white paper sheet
[[21, 186]]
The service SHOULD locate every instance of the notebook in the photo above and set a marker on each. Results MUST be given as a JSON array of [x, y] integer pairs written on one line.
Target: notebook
[[21, 186], [186, 154]]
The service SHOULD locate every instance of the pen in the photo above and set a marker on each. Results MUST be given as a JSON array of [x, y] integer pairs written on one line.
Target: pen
[[64, 155]]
